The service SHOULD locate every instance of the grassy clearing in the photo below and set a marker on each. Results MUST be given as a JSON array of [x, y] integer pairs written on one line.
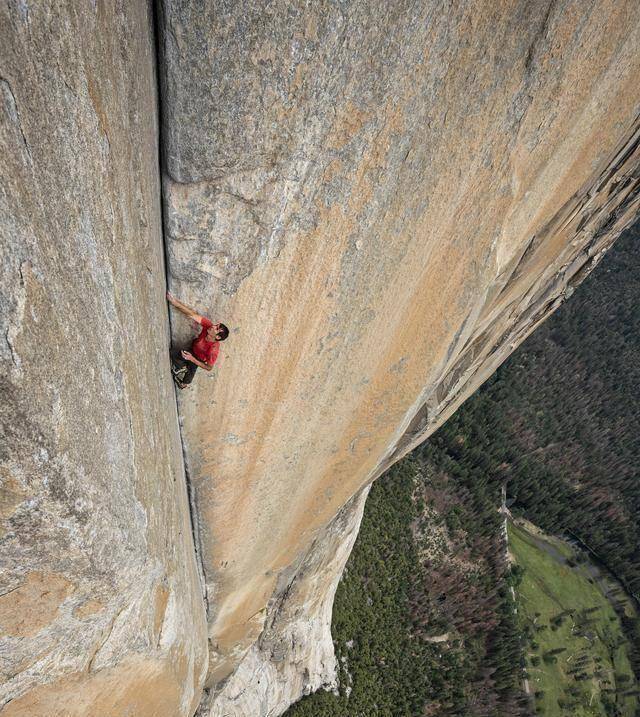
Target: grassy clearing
[[577, 660]]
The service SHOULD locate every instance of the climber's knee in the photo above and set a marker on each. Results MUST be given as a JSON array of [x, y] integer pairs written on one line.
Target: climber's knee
[[181, 370]]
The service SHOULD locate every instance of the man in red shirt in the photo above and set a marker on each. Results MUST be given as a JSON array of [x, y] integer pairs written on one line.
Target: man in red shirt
[[204, 349]]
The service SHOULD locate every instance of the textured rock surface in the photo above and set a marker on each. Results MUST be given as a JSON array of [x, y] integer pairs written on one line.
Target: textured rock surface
[[382, 201], [294, 653], [101, 610]]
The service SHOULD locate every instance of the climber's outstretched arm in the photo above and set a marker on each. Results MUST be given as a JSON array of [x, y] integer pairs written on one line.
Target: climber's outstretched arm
[[186, 310]]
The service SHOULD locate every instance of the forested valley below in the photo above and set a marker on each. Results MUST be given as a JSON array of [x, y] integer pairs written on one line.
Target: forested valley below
[[436, 613]]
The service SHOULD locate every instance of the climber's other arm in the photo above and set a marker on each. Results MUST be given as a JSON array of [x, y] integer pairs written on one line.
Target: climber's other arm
[[183, 308]]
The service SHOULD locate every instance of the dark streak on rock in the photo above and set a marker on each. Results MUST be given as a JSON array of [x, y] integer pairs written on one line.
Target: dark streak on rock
[[14, 113], [538, 38]]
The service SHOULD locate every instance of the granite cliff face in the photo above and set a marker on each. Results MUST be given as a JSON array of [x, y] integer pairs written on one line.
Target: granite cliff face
[[101, 607], [380, 201]]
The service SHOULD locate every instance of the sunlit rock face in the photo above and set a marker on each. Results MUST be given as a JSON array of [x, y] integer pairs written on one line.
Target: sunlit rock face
[[101, 610], [381, 200]]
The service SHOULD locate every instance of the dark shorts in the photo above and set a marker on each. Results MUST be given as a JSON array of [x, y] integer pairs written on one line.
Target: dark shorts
[[183, 371]]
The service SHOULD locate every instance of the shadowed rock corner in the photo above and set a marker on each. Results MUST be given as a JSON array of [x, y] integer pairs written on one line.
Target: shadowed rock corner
[[101, 610]]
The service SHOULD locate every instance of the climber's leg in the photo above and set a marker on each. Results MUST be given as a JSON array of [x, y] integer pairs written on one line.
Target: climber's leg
[[182, 371]]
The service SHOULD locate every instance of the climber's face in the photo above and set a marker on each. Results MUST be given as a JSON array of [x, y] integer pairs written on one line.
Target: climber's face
[[212, 334]]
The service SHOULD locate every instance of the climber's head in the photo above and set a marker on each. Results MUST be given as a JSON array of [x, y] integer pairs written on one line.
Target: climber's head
[[218, 332]]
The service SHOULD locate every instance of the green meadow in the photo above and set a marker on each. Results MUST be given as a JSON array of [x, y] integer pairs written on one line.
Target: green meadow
[[576, 656]]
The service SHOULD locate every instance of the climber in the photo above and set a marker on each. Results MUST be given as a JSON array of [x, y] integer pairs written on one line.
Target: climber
[[204, 348]]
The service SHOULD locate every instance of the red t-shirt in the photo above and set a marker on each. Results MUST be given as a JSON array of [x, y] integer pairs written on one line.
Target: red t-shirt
[[203, 349]]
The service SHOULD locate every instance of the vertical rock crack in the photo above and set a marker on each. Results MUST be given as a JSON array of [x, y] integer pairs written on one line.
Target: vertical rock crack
[[191, 493]]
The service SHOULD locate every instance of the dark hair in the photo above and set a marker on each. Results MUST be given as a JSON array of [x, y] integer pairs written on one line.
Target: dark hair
[[222, 332]]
